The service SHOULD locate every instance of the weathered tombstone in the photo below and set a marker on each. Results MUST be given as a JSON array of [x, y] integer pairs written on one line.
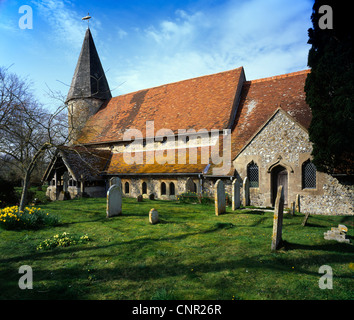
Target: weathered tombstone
[[278, 219], [292, 208], [139, 198], [297, 203], [246, 192], [114, 180], [189, 185], [305, 219], [114, 201], [236, 194], [151, 196], [65, 195], [65, 181], [153, 216], [338, 234], [220, 199]]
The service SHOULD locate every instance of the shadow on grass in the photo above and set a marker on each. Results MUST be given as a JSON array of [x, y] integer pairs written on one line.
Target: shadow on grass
[[331, 246], [76, 281]]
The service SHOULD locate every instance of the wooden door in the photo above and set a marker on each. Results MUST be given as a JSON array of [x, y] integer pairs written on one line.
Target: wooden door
[[283, 181], [279, 178]]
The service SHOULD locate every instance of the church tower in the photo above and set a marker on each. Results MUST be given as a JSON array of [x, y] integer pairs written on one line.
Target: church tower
[[89, 88]]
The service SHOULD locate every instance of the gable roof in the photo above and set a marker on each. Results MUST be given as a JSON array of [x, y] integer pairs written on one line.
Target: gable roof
[[261, 98], [81, 161], [89, 80], [207, 102]]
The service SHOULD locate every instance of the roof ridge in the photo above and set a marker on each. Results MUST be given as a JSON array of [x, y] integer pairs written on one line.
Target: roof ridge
[[180, 81], [282, 76]]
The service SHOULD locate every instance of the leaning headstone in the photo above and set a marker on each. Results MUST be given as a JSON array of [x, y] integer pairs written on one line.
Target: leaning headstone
[[114, 201], [305, 219], [153, 216], [278, 219], [338, 234], [297, 203], [246, 192], [236, 194], [139, 198], [220, 199]]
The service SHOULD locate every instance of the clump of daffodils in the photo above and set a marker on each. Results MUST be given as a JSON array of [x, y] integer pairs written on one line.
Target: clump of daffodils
[[62, 240], [30, 218]]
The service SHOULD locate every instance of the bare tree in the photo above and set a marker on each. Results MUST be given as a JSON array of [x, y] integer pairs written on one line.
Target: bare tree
[[27, 130]]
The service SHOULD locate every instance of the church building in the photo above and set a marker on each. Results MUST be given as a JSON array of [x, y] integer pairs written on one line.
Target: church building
[[184, 136]]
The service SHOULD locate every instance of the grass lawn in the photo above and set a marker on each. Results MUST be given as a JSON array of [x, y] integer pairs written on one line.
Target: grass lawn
[[191, 254]]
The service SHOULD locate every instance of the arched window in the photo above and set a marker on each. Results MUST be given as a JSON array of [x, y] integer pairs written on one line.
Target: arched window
[[253, 175], [308, 175], [144, 187], [126, 187], [163, 188], [172, 189]]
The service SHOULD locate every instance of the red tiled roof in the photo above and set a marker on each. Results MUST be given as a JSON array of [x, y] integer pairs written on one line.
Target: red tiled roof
[[205, 102], [261, 98], [201, 103]]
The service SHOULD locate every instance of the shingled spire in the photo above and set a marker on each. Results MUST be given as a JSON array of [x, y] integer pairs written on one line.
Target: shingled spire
[[89, 80]]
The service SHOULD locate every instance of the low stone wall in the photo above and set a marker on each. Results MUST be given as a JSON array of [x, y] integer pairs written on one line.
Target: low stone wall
[[337, 199]]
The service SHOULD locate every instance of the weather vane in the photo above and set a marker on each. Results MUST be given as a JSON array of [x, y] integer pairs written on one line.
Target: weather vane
[[88, 19]]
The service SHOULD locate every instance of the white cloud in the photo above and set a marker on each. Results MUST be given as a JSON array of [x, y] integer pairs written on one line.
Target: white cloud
[[66, 25], [266, 37]]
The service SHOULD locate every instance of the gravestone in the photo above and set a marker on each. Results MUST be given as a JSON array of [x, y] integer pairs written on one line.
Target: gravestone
[[246, 192], [278, 219], [65, 195], [114, 201], [297, 203], [292, 208], [153, 216], [189, 185], [151, 196], [338, 234], [220, 199], [114, 180], [139, 198], [236, 194], [305, 219]]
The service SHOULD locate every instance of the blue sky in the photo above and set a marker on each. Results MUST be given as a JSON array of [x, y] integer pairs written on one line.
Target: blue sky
[[147, 43]]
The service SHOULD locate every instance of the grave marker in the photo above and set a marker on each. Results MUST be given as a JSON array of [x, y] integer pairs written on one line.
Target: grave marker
[[246, 192], [278, 219], [220, 199], [236, 194], [114, 201]]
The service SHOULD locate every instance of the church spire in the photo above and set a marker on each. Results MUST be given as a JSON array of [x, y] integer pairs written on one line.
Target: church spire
[[89, 80]]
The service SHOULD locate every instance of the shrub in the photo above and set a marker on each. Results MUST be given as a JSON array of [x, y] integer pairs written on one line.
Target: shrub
[[30, 218], [62, 240]]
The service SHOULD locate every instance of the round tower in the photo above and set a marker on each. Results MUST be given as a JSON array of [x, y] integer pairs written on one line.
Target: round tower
[[89, 88]]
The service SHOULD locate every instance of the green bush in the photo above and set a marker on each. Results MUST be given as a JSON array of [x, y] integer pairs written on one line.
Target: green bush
[[30, 218]]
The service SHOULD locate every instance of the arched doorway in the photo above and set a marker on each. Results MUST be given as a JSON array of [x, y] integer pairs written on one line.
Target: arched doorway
[[279, 176]]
